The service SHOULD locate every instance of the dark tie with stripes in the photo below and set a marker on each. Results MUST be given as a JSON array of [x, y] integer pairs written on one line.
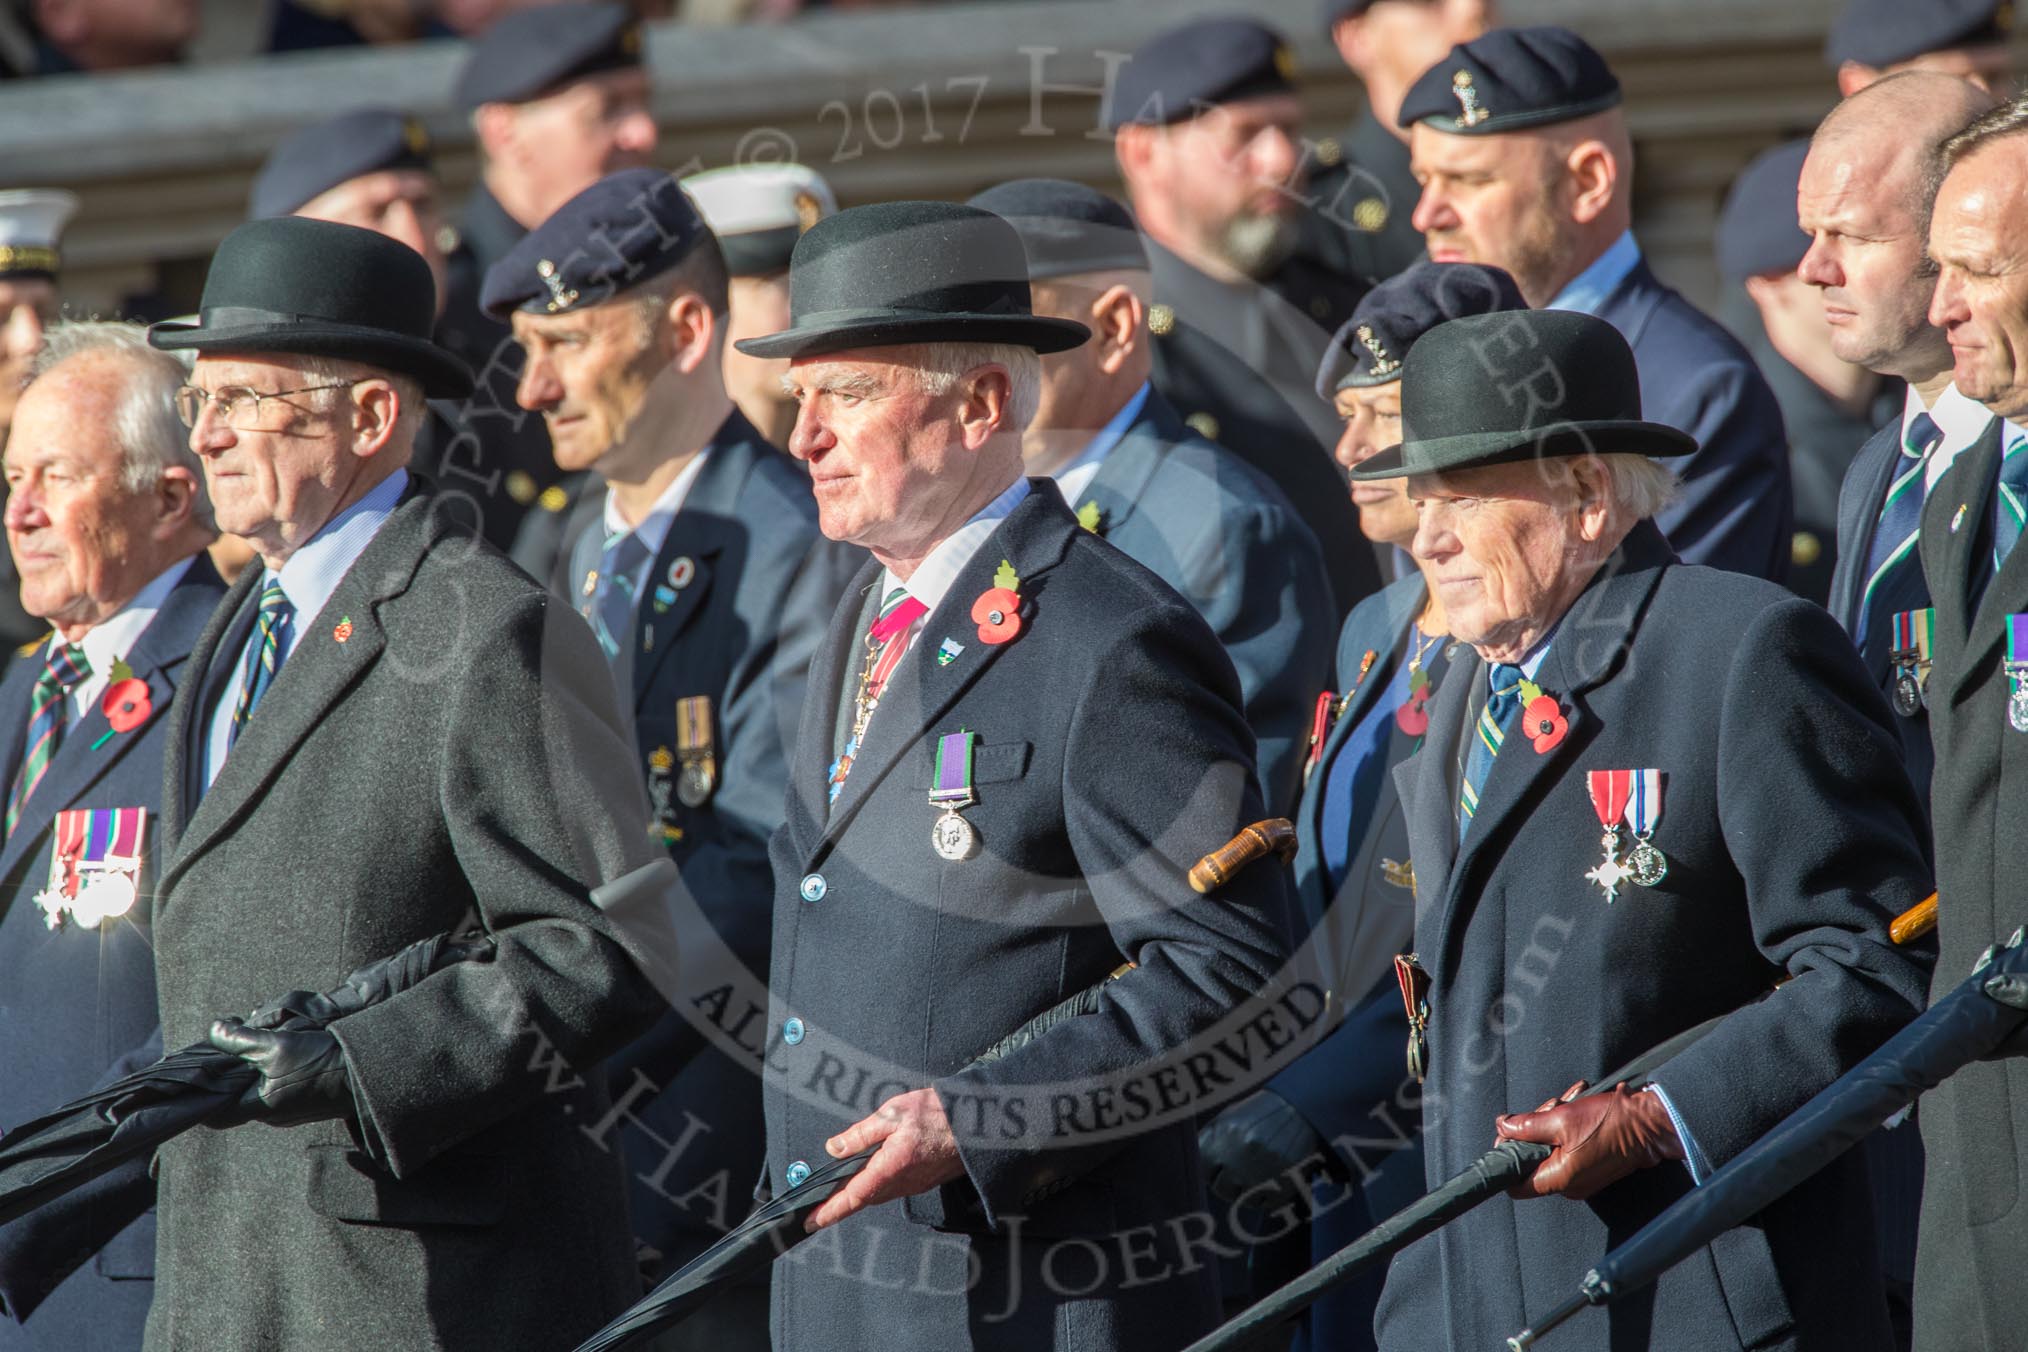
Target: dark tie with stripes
[[48, 710], [264, 655], [1487, 737]]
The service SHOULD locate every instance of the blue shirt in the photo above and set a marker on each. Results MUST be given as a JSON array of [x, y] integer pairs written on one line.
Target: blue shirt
[[1587, 291], [308, 579]]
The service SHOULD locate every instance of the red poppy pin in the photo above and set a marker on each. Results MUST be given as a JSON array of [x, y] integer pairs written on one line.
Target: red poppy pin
[[126, 704], [997, 612], [343, 630], [1542, 718]]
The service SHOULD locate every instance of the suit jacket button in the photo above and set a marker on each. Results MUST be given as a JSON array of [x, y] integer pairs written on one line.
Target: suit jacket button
[[814, 887], [796, 1173], [792, 1031]]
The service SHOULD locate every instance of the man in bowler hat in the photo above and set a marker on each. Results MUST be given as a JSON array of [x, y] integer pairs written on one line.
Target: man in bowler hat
[[1016, 743], [1758, 828], [1521, 146], [384, 730], [704, 578]]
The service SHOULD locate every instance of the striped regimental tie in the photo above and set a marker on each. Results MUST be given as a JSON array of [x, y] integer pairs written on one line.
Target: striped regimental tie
[[2008, 500], [1900, 524], [264, 656], [1487, 739], [608, 603], [48, 709]]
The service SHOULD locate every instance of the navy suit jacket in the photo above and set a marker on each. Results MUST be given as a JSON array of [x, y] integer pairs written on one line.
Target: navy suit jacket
[[1736, 509], [1865, 488], [1112, 754], [1792, 837], [74, 1001], [1225, 536], [763, 587]]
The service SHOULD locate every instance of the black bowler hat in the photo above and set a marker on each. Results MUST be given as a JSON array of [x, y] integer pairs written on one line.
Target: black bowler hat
[[1888, 32], [910, 272], [1185, 70], [1066, 228], [317, 289], [1369, 348], [625, 229], [320, 157], [1758, 232], [1511, 79], [1526, 385], [534, 51]]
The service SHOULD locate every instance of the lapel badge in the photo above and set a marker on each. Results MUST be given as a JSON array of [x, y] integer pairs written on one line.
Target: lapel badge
[[1091, 516], [1542, 718], [664, 597], [682, 570], [1468, 100], [1958, 517], [1383, 365], [948, 651], [1398, 873], [997, 612], [591, 582], [343, 629], [559, 297]]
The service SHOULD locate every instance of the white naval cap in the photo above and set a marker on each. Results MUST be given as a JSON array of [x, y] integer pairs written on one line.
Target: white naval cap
[[758, 211], [31, 223]]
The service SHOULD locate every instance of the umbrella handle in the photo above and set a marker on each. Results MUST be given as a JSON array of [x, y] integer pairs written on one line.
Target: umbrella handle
[[1528, 1337], [1914, 922]]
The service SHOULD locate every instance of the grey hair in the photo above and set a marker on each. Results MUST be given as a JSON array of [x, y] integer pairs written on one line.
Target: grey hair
[[1641, 486], [938, 366], [409, 390], [152, 438]]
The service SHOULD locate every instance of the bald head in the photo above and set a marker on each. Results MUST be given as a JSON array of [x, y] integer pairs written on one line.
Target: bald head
[[1864, 199]]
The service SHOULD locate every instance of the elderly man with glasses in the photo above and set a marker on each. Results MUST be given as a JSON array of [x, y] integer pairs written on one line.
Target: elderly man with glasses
[[384, 728]]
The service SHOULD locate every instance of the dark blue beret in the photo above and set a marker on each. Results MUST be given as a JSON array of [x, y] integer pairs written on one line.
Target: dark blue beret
[[1066, 227], [1757, 229], [1886, 32], [318, 158], [533, 51], [1511, 79], [1370, 347], [1331, 11], [626, 228], [1188, 69]]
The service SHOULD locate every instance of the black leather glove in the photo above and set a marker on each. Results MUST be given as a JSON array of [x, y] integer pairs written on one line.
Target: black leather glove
[[303, 1073], [1256, 1142]]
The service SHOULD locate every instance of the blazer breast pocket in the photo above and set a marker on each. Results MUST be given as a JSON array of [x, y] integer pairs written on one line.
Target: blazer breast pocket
[[346, 1185], [1000, 763]]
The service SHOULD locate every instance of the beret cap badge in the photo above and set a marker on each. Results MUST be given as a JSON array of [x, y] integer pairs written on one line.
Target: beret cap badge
[[808, 210], [1285, 64], [1383, 365], [414, 137], [560, 297], [1468, 100]]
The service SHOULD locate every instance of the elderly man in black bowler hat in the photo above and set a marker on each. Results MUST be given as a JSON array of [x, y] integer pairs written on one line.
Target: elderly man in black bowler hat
[[1018, 740], [1206, 129], [1521, 146], [1655, 792], [703, 575], [1212, 527], [1965, 38], [385, 729]]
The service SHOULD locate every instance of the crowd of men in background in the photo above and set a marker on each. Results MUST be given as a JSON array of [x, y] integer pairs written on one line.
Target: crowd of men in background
[[931, 585]]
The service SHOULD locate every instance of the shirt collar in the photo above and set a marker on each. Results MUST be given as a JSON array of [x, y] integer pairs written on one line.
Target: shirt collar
[[314, 571], [1532, 661], [654, 527], [935, 574], [105, 643], [1074, 478], [1587, 291]]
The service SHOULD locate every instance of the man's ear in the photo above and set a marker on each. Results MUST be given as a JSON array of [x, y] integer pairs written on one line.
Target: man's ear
[[1118, 321], [377, 407], [987, 395], [692, 327], [1593, 484], [495, 128], [1595, 173], [175, 500], [1134, 148]]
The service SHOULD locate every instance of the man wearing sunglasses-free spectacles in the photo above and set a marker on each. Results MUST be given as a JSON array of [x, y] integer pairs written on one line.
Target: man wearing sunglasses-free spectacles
[[238, 406]]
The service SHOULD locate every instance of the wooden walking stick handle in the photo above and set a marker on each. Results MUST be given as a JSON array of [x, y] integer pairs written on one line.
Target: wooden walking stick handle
[[1276, 835], [1914, 922]]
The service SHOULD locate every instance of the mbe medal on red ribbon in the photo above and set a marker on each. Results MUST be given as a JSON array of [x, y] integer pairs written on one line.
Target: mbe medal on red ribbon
[[1609, 792], [94, 866]]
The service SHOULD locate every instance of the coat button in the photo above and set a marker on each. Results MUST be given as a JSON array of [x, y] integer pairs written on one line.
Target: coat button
[[796, 1173], [814, 887], [792, 1031]]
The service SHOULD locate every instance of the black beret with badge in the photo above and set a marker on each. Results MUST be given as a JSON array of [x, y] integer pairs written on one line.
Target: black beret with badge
[[896, 273], [628, 228], [1066, 228], [1370, 347], [1204, 63], [533, 52], [1512, 79], [1758, 232], [1459, 408], [316, 159], [759, 211], [1887, 32]]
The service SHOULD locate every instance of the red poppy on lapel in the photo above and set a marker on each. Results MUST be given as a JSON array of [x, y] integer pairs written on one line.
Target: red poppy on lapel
[[1544, 723], [126, 704], [1412, 715]]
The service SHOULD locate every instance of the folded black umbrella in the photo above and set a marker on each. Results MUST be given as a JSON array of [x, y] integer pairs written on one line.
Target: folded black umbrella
[[131, 1116], [777, 1226], [1968, 1024], [1499, 1169]]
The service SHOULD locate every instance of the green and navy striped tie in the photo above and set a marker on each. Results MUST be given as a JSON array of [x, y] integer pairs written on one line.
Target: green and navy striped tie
[[1487, 738], [264, 655], [1900, 523], [2008, 500], [610, 606], [48, 708]]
